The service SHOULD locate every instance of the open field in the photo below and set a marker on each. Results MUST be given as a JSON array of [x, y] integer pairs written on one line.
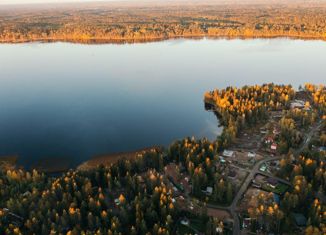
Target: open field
[[217, 213], [127, 22]]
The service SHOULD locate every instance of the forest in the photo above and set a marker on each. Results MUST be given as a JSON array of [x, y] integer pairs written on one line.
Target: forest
[[100, 23], [241, 108]]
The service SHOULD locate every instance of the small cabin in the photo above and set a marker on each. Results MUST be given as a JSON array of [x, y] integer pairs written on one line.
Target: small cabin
[[274, 147], [272, 182], [228, 153], [185, 221]]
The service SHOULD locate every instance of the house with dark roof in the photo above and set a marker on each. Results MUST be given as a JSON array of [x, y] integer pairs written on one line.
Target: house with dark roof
[[272, 182], [299, 219], [232, 174]]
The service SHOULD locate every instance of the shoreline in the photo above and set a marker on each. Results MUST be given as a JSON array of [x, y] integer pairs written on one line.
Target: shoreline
[[111, 158], [61, 165], [119, 41]]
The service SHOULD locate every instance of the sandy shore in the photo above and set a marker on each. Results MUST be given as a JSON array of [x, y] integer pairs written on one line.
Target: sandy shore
[[107, 159], [57, 165]]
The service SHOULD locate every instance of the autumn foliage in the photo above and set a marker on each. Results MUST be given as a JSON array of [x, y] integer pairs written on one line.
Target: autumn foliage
[[120, 23]]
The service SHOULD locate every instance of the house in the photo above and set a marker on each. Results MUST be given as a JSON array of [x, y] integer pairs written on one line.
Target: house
[[141, 179], [272, 182], [263, 130], [300, 219], [232, 174], [297, 104], [181, 197], [274, 163], [276, 131], [246, 222], [274, 147], [322, 149], [276, 198], [14, 219], [251, 154], [269, 140], [228, 153], [219, 230], [222, 160], [185, 221], [263, 168], [255, 184], [277, 115], [208, 191], [27, 194], [117, 202]]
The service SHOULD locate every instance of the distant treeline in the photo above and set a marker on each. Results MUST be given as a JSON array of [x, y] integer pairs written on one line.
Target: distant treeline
[[131, 23]]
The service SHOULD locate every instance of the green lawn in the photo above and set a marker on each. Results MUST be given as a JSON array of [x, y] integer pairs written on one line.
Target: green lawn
[[279, 189]]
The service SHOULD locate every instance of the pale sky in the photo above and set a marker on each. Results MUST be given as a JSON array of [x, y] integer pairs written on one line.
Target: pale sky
[[48, 1]]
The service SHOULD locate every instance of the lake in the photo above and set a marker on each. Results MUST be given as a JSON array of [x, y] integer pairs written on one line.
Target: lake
[[74, 101]]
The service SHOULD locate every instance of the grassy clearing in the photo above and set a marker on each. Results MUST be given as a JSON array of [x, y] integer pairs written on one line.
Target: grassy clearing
[[279, 189]]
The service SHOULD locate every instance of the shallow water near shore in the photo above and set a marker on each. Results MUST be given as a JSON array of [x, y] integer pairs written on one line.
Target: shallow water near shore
[[74, 101]]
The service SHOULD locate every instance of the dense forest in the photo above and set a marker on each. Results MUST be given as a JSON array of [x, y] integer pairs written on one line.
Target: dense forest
[[240, 108], [129, 23]]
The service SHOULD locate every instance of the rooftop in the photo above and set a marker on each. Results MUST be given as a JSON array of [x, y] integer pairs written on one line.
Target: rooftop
[[300, 219], [228, 153]]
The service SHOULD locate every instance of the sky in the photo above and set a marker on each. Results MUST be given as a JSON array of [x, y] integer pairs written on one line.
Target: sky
[[46, 1]]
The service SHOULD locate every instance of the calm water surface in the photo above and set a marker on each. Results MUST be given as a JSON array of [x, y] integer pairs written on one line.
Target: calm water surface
[[76, 101]]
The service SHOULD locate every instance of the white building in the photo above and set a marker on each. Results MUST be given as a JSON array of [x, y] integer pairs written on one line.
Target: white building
[[208, 191], [185, 221], [251, 154], [228, 153], [297, 104]]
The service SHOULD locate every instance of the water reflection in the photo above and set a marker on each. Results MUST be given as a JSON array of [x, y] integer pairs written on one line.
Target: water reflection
[[75, 101]]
